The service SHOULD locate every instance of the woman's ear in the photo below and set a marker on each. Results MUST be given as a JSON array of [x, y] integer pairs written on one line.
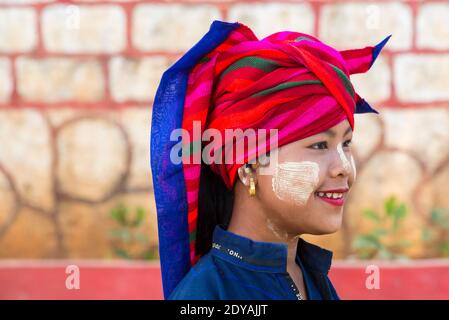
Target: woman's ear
[[246, 172], [264, 159]]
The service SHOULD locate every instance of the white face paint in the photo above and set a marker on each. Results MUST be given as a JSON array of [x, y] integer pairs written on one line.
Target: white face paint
[[275, 231], [295, 181], [281, 235], [353, 167], [344, 160]]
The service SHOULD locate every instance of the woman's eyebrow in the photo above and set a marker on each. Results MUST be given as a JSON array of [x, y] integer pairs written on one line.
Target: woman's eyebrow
[[332, 133]]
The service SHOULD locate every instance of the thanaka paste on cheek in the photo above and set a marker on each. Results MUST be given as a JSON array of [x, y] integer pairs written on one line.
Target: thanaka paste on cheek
[[344, 160], [295, 181]]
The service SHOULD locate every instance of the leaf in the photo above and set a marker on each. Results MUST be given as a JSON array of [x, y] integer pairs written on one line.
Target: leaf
[[385, 254], [119, 214], [444, 248], [366, 241], [140, 215], [122, 253], [440, 217], [114, 214], [398, 213], [365, 255], [437, 215], [372, 215], [389, 205], [378, 232], [149, 254]]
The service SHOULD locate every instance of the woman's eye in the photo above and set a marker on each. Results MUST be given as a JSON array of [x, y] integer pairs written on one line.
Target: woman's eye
[[319, 145], [347, 143]]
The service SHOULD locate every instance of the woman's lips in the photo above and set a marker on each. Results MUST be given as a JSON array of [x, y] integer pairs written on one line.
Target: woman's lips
[[334, 202], [335, 197]]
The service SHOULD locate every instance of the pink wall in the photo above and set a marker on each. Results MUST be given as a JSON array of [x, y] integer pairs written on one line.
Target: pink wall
[[428, 279]]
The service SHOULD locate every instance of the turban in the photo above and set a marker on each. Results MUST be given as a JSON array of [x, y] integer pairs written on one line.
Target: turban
[[230, 79]]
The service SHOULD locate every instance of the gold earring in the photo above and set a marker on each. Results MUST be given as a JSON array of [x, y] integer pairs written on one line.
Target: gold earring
[[252, 187]]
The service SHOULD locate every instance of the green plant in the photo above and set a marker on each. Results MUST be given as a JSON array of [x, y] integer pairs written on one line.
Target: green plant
[[128, 241], [436, 235], [381, 242]]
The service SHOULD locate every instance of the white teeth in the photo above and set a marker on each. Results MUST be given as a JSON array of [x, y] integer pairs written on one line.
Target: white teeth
[[331, 195]]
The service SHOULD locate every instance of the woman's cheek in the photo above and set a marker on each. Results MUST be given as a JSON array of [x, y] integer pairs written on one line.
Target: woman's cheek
[[295, 181]]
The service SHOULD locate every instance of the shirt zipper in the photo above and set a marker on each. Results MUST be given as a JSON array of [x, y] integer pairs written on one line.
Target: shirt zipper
[[294, 288]]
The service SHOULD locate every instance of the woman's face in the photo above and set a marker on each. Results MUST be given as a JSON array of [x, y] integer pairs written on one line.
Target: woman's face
[[310, 183]]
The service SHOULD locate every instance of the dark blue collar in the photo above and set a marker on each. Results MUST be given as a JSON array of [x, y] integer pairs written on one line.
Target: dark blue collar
[[266, 256]]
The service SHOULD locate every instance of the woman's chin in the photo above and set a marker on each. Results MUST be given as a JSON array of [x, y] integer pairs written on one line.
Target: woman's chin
[[328, 226], [322, 222]]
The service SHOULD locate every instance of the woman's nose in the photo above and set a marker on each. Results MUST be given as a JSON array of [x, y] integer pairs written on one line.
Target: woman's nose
[[341, 163]]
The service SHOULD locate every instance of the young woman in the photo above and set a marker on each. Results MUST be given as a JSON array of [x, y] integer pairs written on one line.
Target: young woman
[[230, 219]]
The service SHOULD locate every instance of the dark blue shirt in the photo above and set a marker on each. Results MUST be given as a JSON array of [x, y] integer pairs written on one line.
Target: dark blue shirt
[[238, 268]]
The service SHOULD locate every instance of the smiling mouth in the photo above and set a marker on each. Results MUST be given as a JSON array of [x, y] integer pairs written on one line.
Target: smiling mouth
[[330, 195], [334, 197]]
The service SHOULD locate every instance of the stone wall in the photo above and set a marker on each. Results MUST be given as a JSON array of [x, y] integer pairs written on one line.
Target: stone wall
[[77, 80]]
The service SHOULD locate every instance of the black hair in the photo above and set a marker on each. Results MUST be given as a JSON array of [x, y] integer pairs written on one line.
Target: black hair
[[215, 203]]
